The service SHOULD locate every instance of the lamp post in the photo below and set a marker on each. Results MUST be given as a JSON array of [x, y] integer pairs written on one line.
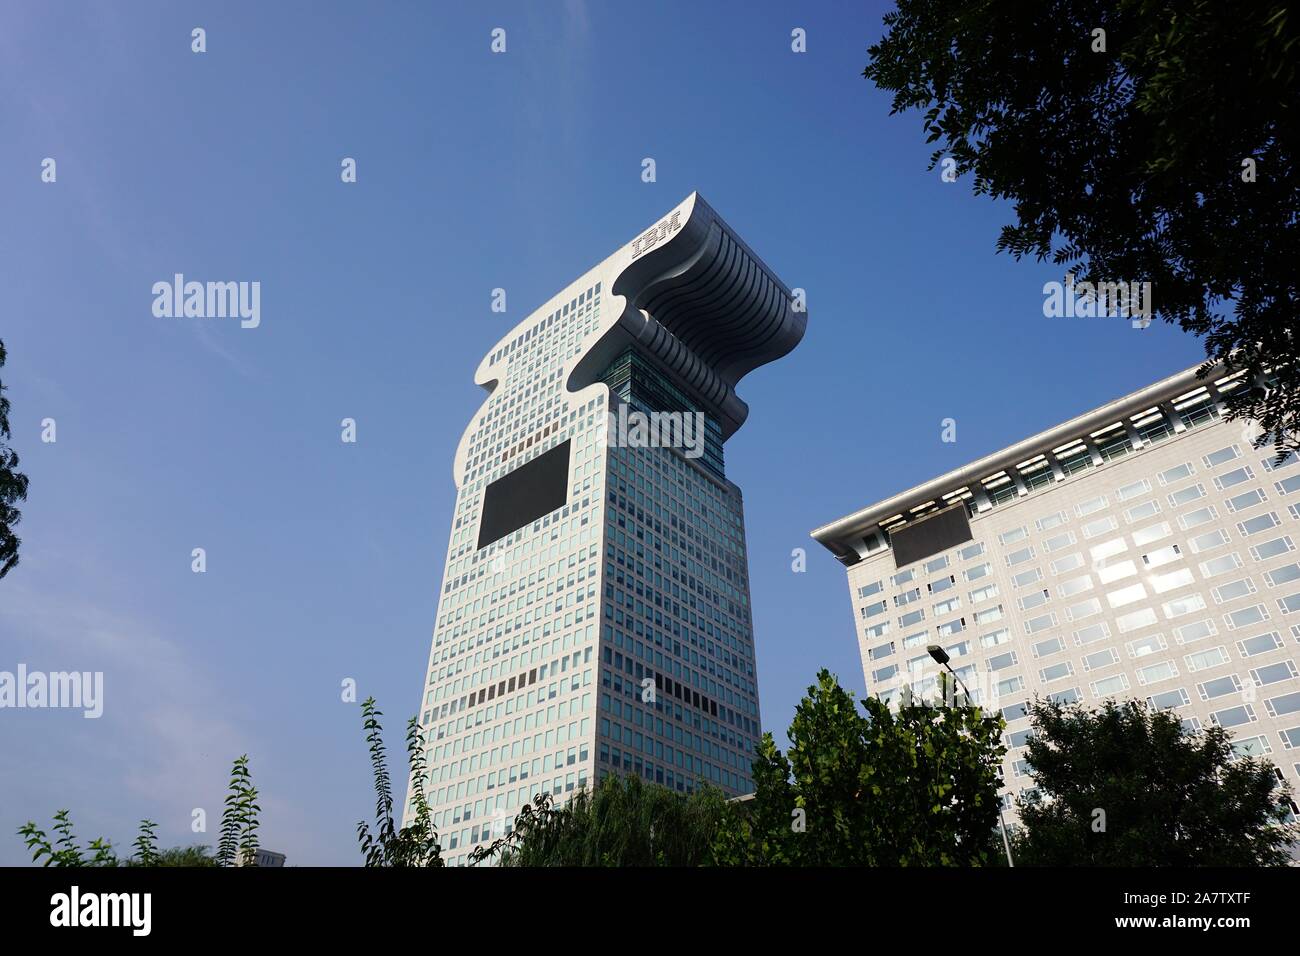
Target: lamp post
[[941, 658]]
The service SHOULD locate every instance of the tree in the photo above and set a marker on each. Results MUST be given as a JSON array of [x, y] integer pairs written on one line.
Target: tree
[[622, 822], [916, 787], [413, 845], [1125, 785], [63, 849], [239, 818], [1139, 140], [13, 487]]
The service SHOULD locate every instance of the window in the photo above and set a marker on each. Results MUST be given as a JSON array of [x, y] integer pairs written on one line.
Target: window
[[1251, 747], [1288, 485], [1091, 506], [1128, 595], [1146, 646], [947, 607], [1019, 738], [904, 577], [883, 651], [869, 589], [1128, 492], [1171, 581], [1169, 699], [1001, 662], [988, 615], [913, 640], [1114, 570], [1020, 556], [1271, 549], [1027, 577], [1190, 633], [1221, 565], [1002, 636], [1141, 512], [1100, 526], [1289, 604], [1154, 532], [1109, 686], [1282, 575], [907, 597], [1258, 523], [1033, 600], [971, 551], [1065, 696], [1183, 605], [1057, 542], [1233, 590], [1286, 704], [1194, 519], [1162, 556], [1056, 672], [1012, 536], [939, 585], [1099, 659], [1246, 617], [951, 627], [1234, 716], [1246, 500], [1063, 565], [1135, 619], [1162, 670], [1034, 625], [1091, 634], [912, 617], [1209, 541], [1015, 712], [985, 593], [1108, 549], [1186, 495], [1048, 647], [1219, 687], [1254, 646], [1075, 586], [1288, 459], [1290, 737], [1202, 660], [877, 630], [1177, 473], [884, 674], [1048, 522], [978, 571], [1272, 673], [1226, 481], [1011, 685], [936, 565], [1221, 457]]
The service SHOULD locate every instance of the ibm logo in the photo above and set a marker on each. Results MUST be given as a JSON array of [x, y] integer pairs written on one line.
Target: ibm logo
[[656, 235]]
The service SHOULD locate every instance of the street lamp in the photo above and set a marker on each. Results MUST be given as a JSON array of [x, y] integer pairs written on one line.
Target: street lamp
[[941, 658]]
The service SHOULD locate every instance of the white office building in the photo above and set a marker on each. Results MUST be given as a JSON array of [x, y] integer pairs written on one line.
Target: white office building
[[1142, 550], [594, 614]]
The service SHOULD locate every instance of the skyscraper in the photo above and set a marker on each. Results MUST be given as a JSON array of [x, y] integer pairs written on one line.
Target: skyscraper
[[1142, 550], [594, 615]]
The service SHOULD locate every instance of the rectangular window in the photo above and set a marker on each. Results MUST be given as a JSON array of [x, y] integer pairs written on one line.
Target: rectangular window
[[1131, 491], [1135, 619], [1108, 549], [951, 627], [1074, 586], [1012, 536], [1172, 581], [1042, 623], [1271, 549], [1002, 636], [1048, 647], [871, 610], [1234, 716], [986, 593], [1064, 565], [1221, 457], [1186, 495], [1048, 522], [939, 585], [1100, 526], [1194, 519], [1177, 473], [1226, 481], [1161, 670], [1207, 542], [1183, 605], [881, 652], [1127, 595], [1199, 631], [1020, 556], [1258, 523], [1289, 604], [912, 617], [884, 674], [1155, 532], [971, 551], [1058, 542], [1233, 590], [936, 565], [1219, 687], [1162, 556], [1112, 571], [988, 615], [1027, 577], [1273, 673], [1220, 565], [1254, 646], [947, 607], [1011, 685], [1169, 699], [1033, 600], [869, 589], [906, 597], [1246, 617], [1282, 575], [978, 571], [1247, 500], [1001, 662], [1099, 659], [1202, 660], [904, 577], [1286, 704], [878, 630], [1141, 512], [1091, 506], [1091, 634], [1056, 672], [1146, 646], [1288, 486], [1109, 686]]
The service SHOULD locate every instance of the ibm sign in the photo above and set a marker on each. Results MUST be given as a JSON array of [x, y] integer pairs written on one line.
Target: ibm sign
[[656, 235]]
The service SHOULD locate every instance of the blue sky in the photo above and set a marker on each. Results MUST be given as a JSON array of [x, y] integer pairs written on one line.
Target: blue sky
[[475, 171]]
